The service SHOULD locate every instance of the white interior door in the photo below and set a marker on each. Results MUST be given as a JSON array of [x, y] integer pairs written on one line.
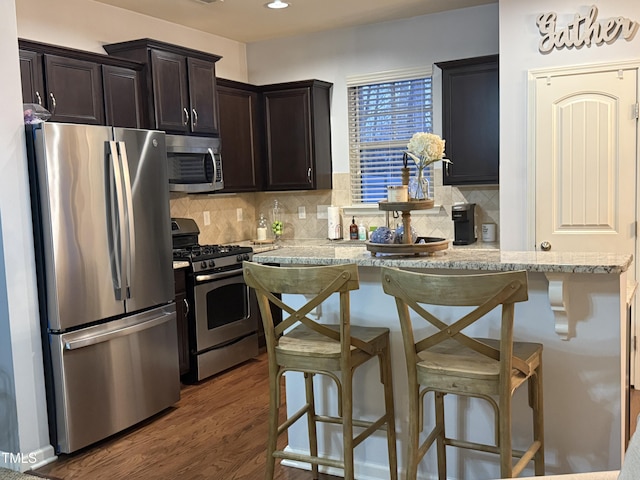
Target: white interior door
[[585, 164]]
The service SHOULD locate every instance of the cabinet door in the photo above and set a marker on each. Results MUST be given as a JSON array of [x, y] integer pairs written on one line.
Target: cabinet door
[[288, 139], [32, 78], [121, 96], [202, 96], [470, 114], [74, 90], [239, 134], [170, 91]]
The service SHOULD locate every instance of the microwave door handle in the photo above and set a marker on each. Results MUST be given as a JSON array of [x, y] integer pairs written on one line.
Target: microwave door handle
[[213, 162], [117, 221], [130, 221]]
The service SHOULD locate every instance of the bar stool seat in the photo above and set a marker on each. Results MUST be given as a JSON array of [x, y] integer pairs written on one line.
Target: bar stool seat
[[301, 344], [447, 361]]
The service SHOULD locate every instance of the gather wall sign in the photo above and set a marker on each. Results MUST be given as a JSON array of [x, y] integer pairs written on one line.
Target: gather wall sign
[[584, 30]]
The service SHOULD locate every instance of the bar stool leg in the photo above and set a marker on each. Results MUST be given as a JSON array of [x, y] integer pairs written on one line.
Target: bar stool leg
[[506, 459], [272, 442], [414, 430], [440, 445], [311, 421], [347, 423], [385, 371], [535, 386]]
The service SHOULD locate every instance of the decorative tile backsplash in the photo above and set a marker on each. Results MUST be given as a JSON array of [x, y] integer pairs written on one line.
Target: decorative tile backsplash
[[233, 217]]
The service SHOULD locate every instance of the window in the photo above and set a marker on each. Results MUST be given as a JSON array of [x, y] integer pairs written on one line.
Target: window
[[385, 110]]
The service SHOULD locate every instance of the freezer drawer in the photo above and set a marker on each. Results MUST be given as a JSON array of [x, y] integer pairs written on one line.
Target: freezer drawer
[[112, 376]]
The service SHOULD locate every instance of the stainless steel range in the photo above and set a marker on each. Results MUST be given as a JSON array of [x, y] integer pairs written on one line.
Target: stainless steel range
[[223, 314]]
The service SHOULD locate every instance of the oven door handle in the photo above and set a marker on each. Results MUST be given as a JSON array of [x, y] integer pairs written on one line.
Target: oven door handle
[[218, 276]]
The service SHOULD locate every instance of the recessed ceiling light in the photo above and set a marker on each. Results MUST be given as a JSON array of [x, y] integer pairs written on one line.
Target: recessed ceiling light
[[277, 4]]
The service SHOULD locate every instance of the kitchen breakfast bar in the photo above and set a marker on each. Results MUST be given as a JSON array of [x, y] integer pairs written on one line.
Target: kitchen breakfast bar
[[578, 308]]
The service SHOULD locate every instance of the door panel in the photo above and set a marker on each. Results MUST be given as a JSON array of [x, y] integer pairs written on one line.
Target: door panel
[[170, 91], [151, 281], [202, 94], [585, 162], [79, 245], [74, 90], [111, 376]]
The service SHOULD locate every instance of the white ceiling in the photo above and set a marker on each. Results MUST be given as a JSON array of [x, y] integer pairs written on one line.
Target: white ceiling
[[249, 21]]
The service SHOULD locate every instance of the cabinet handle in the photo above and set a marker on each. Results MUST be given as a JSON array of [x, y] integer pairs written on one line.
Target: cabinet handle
[[186, 307], [309, 174], [53, 103], [39, 98], [446, 166], [194, 117], [186, 116]]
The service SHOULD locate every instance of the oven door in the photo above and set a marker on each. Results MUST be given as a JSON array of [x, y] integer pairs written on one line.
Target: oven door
[[225, 309]]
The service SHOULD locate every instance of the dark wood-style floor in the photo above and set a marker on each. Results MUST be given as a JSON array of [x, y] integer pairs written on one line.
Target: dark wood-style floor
[[217, 431]]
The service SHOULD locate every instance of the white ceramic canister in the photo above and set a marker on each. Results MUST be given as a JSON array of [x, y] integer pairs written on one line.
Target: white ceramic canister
[[488, 232], [398, 193]]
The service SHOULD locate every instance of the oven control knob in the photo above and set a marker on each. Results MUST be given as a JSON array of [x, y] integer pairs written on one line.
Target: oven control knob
[[245, 256], [212, 263], [238, 258], [203, 264]]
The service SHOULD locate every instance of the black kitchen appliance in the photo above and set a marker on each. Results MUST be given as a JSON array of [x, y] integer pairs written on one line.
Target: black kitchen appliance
[[223, 316], [464, 224]]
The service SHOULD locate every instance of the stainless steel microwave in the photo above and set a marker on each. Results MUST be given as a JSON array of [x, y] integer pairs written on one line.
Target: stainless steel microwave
[[195, 164]]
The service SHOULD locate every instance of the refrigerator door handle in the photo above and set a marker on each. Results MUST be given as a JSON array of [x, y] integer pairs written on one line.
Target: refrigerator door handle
[[130, 222], [121, 332], [117, 223]]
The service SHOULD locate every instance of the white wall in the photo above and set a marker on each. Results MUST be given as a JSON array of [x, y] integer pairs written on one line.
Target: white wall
[[336, 54], [21, 328], [87, 25], [519, 37]]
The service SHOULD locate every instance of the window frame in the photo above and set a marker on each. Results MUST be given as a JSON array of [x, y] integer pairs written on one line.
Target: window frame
[[367, 98]]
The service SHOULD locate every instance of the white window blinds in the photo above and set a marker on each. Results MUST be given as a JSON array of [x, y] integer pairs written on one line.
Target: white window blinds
[[385, 110]]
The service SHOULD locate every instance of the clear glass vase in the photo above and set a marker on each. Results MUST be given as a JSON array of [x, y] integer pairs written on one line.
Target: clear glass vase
[[419, 186], [277, 227]]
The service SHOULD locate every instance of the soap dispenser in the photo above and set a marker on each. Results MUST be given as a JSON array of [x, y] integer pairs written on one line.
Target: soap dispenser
[[353, 229]]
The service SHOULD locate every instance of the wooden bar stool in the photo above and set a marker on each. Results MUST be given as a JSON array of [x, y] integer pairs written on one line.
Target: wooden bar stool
[[448, 361], [301, 344]]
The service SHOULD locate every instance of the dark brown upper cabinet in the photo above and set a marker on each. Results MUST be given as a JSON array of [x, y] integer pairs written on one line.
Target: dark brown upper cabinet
[[122, 101], [297, 135], [240, 135], [180, 85], [32, 77], [74, 90], [470, 120], [79, 87]]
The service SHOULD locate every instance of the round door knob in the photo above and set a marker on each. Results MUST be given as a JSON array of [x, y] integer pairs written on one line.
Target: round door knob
[[545, 246]]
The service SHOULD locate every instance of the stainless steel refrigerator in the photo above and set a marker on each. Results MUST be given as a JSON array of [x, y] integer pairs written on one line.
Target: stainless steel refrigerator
[[102, 231]]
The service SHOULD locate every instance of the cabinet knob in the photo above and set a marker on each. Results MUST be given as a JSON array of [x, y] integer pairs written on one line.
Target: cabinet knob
[[545, 246], [39, 98], [194, 117], [53, 103], [186, 116]]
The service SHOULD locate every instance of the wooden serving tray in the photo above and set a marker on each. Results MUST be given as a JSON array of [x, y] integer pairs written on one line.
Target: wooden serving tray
[[406, 206], [432, 245]]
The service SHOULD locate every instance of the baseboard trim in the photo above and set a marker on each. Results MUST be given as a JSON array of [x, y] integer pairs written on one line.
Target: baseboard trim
[[21, 462], [364, 471]]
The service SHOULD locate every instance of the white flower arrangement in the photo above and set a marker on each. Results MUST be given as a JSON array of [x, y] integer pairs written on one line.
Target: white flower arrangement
[[425, 149]]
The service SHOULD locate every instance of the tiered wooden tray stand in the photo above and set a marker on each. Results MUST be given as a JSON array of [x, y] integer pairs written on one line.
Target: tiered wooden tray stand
[[407, 247]]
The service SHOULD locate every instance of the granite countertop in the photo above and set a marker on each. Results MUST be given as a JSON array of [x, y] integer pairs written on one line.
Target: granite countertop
[[325, 252]]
